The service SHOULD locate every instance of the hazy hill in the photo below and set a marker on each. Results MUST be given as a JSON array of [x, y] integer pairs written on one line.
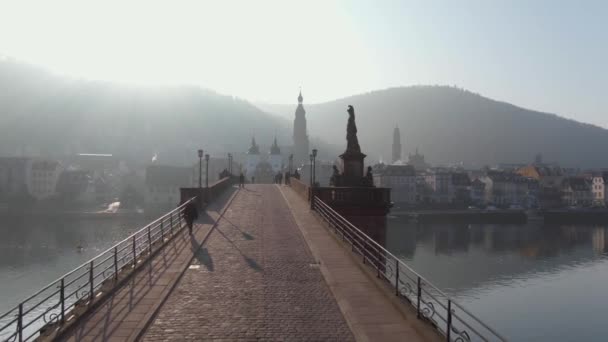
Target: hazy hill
[[451, 125], [44, 114]]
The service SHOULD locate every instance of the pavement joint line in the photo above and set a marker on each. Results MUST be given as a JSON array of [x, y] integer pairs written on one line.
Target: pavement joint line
[[142, 328]]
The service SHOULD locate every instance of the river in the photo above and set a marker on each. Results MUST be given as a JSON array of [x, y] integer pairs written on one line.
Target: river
[[530, 282], [36, 250]]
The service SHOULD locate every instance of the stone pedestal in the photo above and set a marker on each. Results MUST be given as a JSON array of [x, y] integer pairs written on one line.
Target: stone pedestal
[[353, 168]]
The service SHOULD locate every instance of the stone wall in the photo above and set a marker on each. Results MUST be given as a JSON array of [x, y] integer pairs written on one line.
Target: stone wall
[[300, 188], [206, 195]]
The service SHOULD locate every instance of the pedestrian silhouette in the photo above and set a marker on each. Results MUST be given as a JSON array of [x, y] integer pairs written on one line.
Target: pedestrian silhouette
[[190, 214]]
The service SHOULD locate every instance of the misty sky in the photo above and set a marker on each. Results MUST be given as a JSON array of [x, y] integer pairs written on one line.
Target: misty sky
[[544, 55]]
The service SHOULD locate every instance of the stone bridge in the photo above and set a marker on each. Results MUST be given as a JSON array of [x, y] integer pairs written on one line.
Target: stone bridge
[[260, 266]]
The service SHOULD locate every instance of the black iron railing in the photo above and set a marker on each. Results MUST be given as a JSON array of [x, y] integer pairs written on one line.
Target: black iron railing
[[69, 296], [432, 305]]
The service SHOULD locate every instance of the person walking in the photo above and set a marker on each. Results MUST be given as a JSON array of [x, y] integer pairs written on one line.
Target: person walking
[[190, 214], [241, 181]]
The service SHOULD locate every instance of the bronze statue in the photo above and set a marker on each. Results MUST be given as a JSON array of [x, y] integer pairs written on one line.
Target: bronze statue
[[352, 143], [335, 179]]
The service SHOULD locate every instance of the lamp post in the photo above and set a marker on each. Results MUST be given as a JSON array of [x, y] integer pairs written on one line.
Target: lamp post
[[311, 159], [314, 166], [230, 164], [207, 171], [200, 169]]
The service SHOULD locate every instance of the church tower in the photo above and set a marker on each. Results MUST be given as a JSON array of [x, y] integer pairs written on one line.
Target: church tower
[[276, 160], [253, 158], [300, 137], [396, 144]]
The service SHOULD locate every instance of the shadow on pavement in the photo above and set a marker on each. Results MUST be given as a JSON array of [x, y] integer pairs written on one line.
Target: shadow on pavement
[[204, 258]]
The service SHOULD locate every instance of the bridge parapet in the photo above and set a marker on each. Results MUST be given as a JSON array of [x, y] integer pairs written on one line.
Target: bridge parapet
[[432, 305], [206, 195]]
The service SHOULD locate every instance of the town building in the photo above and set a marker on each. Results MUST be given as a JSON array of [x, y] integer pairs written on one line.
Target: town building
[[597, 188], [576, 191], [42, 177], [263, 167], [549, 180], [417, 161], [400, 178], [508, 188], [461, 183], [440, 183], [478, 189]]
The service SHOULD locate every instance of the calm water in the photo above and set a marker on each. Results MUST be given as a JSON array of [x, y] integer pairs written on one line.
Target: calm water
[[530, 282], [35, 251]]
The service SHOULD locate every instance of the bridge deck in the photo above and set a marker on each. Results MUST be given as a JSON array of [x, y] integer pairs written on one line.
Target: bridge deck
[[255, 278]]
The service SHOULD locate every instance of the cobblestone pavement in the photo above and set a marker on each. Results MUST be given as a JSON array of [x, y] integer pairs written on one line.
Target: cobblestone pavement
[[253, 280], [124, 315]]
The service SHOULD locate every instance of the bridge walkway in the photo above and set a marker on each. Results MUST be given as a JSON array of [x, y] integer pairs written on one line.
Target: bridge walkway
[[260, 267]]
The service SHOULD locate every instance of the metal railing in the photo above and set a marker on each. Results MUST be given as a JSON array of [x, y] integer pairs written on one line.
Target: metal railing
[[451, 319], [70, 295]]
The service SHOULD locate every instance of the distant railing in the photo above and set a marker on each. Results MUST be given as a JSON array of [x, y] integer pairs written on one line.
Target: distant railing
[[69, 296], [432, 305], [364, 196]]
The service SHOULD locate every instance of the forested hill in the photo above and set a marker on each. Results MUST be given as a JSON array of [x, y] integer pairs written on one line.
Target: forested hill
[[451, 125], [45, 114]]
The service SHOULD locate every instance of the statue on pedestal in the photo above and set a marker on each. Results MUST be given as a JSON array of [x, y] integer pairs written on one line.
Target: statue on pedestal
[[352, 143]]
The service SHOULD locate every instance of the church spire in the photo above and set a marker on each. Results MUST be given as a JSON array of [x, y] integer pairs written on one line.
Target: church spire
[[300, 135], [396, 144], [274, 149], [253, 149]]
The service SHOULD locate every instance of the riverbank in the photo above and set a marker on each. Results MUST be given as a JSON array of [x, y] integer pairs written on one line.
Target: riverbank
[[570, 216]]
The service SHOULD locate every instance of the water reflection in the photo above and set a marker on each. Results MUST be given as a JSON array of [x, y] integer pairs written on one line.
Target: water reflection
[[506, 272], [37, 250]]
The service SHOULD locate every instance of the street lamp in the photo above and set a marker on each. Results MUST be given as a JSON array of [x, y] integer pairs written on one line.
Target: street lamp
[[207, 171], [314, 166], [311, 159], [230, 164], [200, 169]]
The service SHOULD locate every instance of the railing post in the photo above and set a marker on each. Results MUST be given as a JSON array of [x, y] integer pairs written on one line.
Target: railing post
[[397, 278], [162, 231], [134, 253], [62, 299], [20, 323], [378, 264], [91, 279], [149, 241], [419, 295], [116, 263], [171, 223], [449, 331], [312, 198]]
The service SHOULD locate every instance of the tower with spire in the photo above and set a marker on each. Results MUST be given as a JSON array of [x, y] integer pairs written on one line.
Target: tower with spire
[[253, 158], [396, 144], [276, 161], [300, 135]]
